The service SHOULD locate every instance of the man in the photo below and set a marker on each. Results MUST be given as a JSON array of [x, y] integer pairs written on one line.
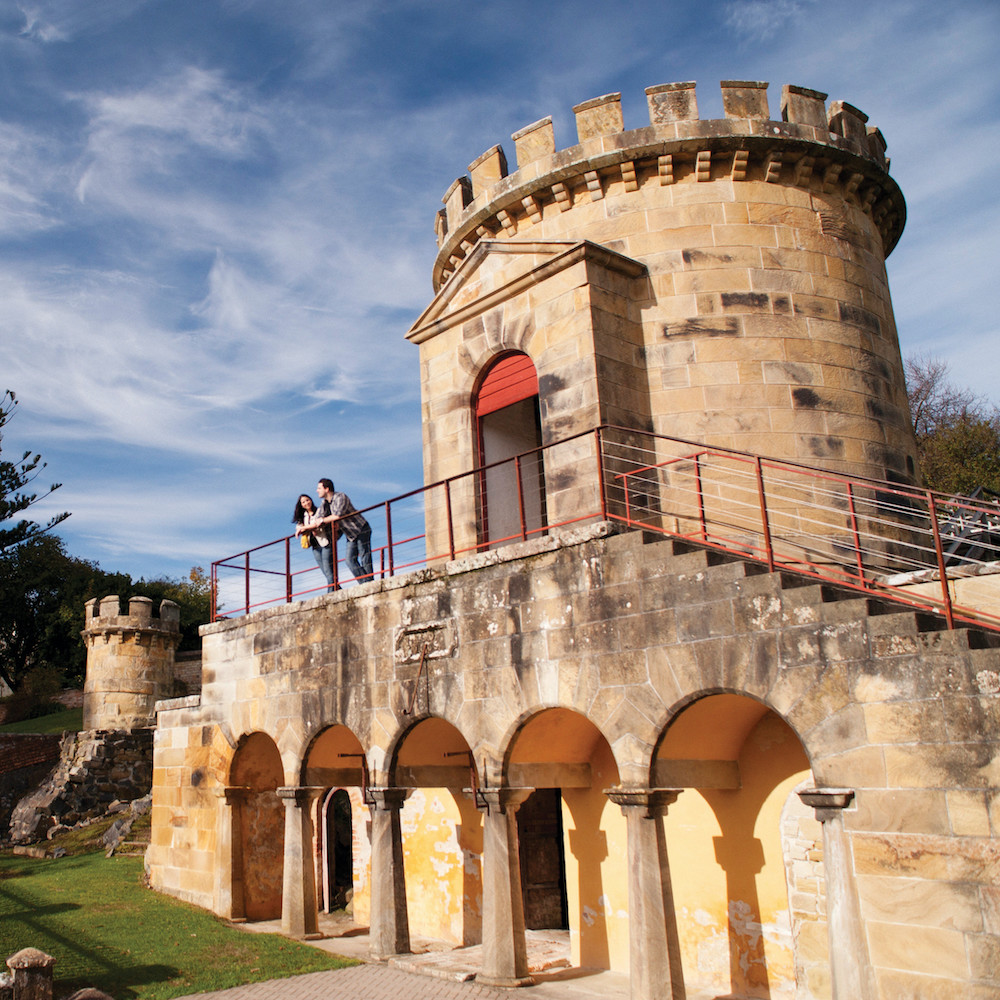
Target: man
[[338, 507]]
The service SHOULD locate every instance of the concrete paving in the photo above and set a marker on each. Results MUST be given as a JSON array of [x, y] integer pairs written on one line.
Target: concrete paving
[[435, 971]]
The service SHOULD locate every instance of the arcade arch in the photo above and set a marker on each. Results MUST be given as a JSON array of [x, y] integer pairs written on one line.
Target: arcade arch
[[573, 839], [442, 833], [335, 762], [258, 828], [728, 839]]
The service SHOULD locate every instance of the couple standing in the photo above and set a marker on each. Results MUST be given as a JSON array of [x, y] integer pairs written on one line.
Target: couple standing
[[315, 526]]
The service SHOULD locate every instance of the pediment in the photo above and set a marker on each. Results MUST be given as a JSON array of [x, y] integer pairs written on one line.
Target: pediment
[[498, 269]]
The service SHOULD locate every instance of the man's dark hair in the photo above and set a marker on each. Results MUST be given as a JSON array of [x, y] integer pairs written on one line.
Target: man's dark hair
[[328, 484]]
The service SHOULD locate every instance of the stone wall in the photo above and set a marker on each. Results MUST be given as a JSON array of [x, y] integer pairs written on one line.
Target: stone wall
[[94, 769], [533, 658], [25, 760]]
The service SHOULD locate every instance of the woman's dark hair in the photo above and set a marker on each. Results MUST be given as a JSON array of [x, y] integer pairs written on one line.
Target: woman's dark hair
[[299, 514]]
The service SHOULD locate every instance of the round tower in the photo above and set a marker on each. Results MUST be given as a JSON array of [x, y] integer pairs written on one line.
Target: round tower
[[716, 281], [130, 661]]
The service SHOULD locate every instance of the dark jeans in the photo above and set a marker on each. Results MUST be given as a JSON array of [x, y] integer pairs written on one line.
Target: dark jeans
[[359, 555], [324, 559]]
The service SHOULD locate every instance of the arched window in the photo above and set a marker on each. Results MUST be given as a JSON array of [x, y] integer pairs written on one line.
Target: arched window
[[508, 428]]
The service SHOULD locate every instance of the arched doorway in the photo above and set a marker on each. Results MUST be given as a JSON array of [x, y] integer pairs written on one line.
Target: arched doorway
[[739, 764], [259, 825], [335, 762], [508, 425], [572, 839], [338, 850], [442, 833]]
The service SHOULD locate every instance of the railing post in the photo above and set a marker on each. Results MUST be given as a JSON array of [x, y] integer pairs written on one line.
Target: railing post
[[763, 515], [932, 510], [701, 498], [388, 539], [334, 558], [855, 532], [451, 523], [599, 444], [520, 497], [288, 571], [246, 583], [215, 592]]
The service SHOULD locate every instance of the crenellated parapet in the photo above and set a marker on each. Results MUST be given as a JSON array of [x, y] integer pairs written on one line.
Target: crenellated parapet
[[130, 661], [831, 150]]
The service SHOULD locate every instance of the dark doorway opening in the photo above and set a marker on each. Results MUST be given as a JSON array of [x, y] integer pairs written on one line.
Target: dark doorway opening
[[543, 860], [338, 851]]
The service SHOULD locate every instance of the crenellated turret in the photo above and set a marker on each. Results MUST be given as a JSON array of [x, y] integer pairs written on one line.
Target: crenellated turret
[[130, 661], [721, 281], [811, 146]]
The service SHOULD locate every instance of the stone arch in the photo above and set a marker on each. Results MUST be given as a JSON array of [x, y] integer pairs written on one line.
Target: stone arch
[[442, 831], [567, 759], [739, 763], [258, 837], [335, 762]]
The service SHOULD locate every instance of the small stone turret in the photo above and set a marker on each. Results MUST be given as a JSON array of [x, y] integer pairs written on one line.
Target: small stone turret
[[130, 662]]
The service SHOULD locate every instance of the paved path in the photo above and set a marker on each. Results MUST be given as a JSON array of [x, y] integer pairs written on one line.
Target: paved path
[[361, 982]]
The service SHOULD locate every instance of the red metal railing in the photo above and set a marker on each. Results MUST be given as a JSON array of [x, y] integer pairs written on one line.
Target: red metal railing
[[911, 546]]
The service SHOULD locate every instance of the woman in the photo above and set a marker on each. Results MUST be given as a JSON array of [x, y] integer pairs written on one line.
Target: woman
[[305, 516]]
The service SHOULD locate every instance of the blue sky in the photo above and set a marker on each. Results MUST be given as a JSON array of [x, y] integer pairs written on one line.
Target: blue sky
[[216, 219]]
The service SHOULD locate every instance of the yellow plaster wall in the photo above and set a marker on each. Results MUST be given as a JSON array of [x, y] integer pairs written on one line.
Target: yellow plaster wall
[[442, 864], [729, 887], [595, 842]]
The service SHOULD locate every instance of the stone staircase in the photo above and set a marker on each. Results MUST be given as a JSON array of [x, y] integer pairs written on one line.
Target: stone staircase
[[804, 599]]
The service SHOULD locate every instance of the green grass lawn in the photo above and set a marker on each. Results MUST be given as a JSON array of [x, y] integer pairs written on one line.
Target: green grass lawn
[[68, 720], [106, 929]]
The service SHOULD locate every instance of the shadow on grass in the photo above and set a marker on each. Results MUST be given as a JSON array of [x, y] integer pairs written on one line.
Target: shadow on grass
[[110, 973], [121, 982]]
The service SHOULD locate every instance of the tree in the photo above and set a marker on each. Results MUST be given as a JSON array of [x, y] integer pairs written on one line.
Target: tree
[[958, 433], [43, 591], [14, 477], [193, 595]]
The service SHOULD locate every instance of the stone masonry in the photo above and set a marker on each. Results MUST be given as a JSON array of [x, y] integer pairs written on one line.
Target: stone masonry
[[711, 775]]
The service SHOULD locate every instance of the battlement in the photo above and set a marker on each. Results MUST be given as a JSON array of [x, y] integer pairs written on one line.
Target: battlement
[[831, 149], [130, 661], [104, 613]]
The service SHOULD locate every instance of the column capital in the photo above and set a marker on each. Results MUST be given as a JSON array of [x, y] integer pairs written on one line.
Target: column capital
[[233, 794], [829, 803], [300, 795], [653, 801], [501, 800], [388, 799]]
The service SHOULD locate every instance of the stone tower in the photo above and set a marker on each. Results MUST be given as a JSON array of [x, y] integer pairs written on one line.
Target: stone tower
[[130, 662], [715, 281]]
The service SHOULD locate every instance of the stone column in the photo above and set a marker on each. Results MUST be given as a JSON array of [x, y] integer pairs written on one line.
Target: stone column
[[505, 957], [655, 952], [849, 965], [228, 889], [299, 915], [389, 933]]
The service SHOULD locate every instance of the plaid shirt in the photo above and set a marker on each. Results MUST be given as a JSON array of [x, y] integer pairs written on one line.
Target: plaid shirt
[[353, 524]]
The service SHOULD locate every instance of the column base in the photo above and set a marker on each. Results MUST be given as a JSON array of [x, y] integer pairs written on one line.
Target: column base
[[509, 982]]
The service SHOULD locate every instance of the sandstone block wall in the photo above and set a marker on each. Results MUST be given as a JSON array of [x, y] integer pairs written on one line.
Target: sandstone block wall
[[130, 661], [625, 636], [742, 300]]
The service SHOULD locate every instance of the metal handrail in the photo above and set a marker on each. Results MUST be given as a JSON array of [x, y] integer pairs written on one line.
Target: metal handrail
[[863, 534]]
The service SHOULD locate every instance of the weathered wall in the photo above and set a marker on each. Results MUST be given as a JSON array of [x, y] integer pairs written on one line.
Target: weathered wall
[[731, 289], [627, 635]]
